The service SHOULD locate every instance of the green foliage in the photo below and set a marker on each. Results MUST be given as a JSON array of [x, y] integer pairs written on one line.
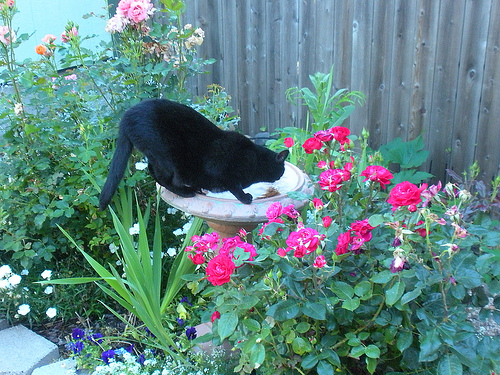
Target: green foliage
[[393, 291], [408, 156], [140, 290], [60, 119]]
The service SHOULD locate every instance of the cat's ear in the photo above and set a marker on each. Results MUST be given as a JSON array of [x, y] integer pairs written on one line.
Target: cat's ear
[[280, 158]]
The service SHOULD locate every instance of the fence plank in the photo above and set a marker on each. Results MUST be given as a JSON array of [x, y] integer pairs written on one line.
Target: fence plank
[[488, 137], [472, 60], [445, 85]]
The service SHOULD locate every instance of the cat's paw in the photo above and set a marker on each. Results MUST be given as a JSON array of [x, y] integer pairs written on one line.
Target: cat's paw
[[246, 198]]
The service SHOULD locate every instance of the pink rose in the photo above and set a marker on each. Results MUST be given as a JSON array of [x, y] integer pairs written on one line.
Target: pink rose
[[332, 179], [219, 270], [281, 252], [290, 211], [289, 142], [405, 194], [215, 316], [362, 229], [378, 174], [304, 241], [138, 11], [274, 211], [320, 261], [312, 144], [322, 164]]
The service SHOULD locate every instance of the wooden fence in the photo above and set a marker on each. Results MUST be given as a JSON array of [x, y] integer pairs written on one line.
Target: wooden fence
[[430, 66]]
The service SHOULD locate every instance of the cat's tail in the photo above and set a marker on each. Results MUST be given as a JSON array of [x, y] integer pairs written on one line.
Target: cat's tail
[[117, 169]]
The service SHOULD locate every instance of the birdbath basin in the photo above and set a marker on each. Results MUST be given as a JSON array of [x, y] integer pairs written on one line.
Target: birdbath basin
[[226, 215]]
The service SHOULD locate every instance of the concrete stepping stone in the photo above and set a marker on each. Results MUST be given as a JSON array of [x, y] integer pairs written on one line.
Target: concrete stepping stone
[[22, 350]]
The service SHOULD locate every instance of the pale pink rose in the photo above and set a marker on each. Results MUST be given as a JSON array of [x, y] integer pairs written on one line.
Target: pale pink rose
[[7, 36], [116, 24], [49, 38]]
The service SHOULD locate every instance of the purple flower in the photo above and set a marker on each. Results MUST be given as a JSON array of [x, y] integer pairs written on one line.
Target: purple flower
[[185, 299], [149, 333], [95, 338], [130, 348], [78, 334], [77, 347], [191, 333], [141, 359], [180, 321], [107, 355]]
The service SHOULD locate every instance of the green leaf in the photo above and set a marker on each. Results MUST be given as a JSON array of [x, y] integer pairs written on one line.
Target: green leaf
[[257, 356], [227, 324], [357, 351], [376, 220], [284, 310], [382, 277], [363, 289], [405, 339], [449, 365], [251, 324], [324, 368], [393, 294], [429, 346], [343, 290], [371, 364], [410, 296], [372, 351], [303, 327], [351, 304], [315, 310], [309, 361], [300, 345]]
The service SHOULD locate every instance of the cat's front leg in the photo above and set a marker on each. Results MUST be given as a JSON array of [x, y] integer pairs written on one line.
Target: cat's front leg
[[243, 197]]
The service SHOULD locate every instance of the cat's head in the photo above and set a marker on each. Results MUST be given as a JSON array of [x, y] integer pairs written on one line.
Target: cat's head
[[273, 168]]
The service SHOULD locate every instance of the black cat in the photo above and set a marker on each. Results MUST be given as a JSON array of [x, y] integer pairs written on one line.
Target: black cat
[[187, 153]]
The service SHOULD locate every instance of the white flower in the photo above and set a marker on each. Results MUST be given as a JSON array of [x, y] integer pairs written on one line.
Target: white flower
[[140, 166], [5, 270], [23, 309], [134, 229], [18, 109], [49, 290], [25, 272], [113, 248], [51, 312], [46, 274], [171, 252], [4, 284], [14, 280]]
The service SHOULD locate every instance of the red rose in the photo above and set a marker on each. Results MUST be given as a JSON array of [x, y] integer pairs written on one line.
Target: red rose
[[405, 194], [378, 174], [197, 258], [304, 241], [219, 270], [274, 211], [312, 144], [340, 134], [318, 204], [323, 136], [327, 220], [289, 142], [344, 239], [215, 316]]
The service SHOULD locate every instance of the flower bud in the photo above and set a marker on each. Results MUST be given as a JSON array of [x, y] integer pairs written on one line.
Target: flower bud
[[365, 133], [464, 195]]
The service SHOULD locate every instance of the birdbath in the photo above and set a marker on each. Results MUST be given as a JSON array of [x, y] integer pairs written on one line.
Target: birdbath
[[226, 215]]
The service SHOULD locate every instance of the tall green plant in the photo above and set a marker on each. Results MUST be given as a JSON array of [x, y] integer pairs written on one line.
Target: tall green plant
[[140, 287]]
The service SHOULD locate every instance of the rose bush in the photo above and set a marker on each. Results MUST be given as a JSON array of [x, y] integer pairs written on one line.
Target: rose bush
[[372, 277]]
